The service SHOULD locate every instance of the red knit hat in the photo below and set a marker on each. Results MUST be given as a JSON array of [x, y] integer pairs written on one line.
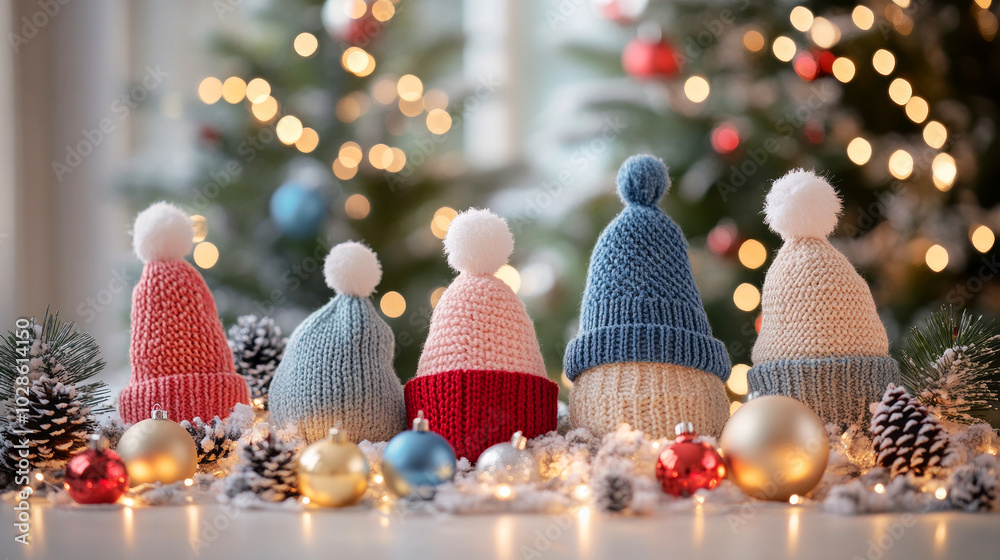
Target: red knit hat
[[481, 376], [178, 351]]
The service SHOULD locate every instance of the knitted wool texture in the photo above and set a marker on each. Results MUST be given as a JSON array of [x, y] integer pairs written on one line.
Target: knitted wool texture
[[178, 351], [481, 376], [480, 324], [821, 340], [642, 311], [337, 370], [655, 397]]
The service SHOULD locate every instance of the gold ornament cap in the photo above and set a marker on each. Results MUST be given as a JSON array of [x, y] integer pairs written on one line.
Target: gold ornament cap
[[336, 435], [420, 424], [97, 442], [518, 440], [159, 414]]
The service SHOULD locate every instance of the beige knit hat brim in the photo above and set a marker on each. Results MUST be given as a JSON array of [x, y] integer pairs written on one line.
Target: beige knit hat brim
[[651, 397]]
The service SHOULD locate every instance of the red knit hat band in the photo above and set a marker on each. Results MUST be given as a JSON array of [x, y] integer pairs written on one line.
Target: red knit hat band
[[476, 409], [183, 396]]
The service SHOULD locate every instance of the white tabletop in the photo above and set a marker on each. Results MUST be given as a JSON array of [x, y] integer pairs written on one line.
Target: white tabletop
[[759, 531]]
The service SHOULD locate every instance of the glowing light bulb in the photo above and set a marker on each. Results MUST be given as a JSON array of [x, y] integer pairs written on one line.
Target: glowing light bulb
[[305, 44], [935, 134], [917, 109], [746, 297], [900, 164], [943, 171], [936, 258], [982, 238], [752, 254], [696, 88], [843, 69], [884, 62], [801, 18], [737, 381], [859, 151], [753, 40], [357, 207], [210, 90], [288, 129], [900, 91], [783, 48], [392, 304], [863, 17]]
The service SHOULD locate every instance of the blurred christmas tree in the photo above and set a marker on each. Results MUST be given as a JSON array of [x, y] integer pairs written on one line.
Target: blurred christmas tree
[[335, 121], [896, 101]]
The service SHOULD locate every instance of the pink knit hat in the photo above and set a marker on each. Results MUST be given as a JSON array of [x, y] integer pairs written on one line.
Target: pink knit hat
[[481, 376], [178, 351]]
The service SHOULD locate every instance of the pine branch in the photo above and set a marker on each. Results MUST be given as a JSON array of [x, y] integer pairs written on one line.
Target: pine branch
[[54, 349], [952, 366]]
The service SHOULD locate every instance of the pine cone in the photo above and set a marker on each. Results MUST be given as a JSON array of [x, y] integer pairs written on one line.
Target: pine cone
[[976, 485], [613, 491], [266, 468], [213, 440], [57, 421], [906, 438], [257, 347]]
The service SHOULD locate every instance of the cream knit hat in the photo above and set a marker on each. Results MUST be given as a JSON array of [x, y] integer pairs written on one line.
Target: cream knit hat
[[821, 340]]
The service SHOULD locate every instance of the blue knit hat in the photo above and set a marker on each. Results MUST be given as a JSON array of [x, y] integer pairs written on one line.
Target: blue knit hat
[[337, 369], [640, 303]]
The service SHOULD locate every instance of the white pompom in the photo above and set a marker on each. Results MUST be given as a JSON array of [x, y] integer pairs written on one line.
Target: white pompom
[[802, 204], [352, 269], [478, 242], [162, 232]]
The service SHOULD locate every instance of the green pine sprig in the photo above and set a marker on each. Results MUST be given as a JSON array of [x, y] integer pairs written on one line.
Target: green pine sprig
[[54, 349], [953, 366]]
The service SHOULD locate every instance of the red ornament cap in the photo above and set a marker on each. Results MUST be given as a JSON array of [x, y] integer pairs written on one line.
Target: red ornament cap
[[96, 475], [689, 464]]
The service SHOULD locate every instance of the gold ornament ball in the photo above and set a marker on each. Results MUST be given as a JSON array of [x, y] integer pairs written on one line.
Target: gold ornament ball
[[333, 472], [158, 450], [776, 447]]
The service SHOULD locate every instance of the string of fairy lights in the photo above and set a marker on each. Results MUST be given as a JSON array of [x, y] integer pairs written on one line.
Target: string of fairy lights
[[406, 92]]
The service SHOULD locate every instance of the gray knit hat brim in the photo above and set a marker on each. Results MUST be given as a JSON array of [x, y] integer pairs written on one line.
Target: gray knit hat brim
[[839, 390]]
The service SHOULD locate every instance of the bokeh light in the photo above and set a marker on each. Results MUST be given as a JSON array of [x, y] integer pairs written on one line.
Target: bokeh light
[[746, 297], [936, 258], [305, 44], [510, 276], [752, 254], [901, 164], [859, 151], [205, 255], [234, 89], [943, 171], [783, 48], [288, 129], [357, 207], [210, 90], [392, 304], [982, 238], [696, 89]]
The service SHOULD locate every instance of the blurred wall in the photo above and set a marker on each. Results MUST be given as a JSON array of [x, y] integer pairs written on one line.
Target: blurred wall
[[64, 230]]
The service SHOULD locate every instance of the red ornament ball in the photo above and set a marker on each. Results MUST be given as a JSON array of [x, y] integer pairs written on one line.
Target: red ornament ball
[[689, 464], [96, 475], [643, 58]]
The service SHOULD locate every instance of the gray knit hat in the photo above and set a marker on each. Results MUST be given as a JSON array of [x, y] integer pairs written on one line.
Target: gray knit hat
[[821, 340], [337, 369]]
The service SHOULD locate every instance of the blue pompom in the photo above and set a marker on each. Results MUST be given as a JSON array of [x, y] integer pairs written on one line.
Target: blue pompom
[[642, 180], [298, 210]]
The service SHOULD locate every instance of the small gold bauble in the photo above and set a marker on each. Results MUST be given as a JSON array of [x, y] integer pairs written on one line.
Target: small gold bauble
[[333, 472], [158, 450], [776, 447]]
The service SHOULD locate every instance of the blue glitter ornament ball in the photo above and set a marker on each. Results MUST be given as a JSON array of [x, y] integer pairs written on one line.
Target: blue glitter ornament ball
[[416, 461], [298, 210]]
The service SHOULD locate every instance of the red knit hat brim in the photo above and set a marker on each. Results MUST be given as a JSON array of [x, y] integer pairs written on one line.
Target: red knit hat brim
[[476, 409], [184, 396]]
